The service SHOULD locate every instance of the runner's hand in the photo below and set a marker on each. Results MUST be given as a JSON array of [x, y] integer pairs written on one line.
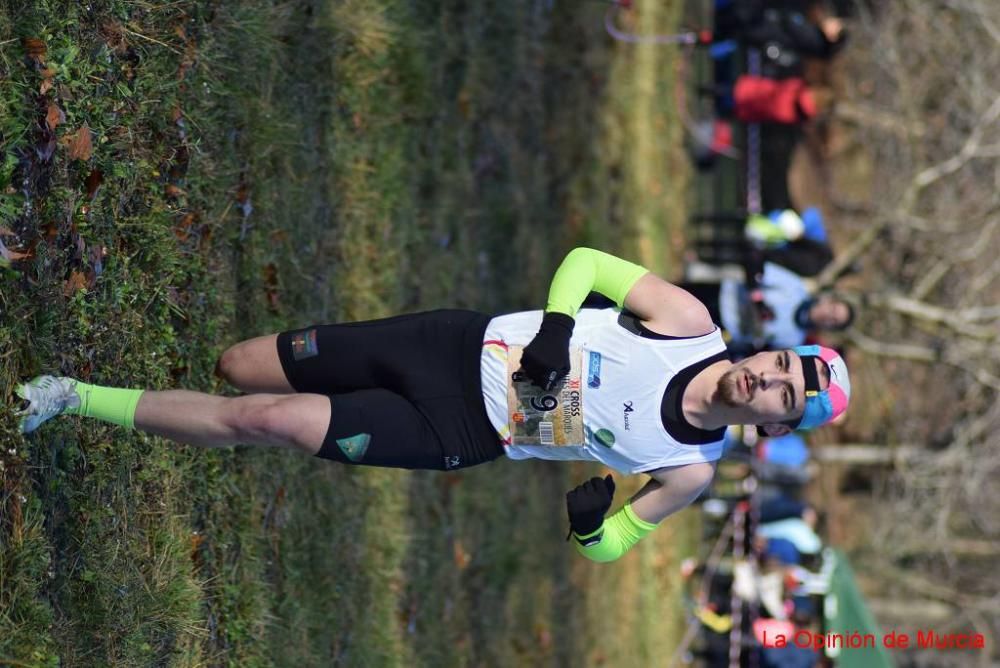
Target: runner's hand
[[545, 361], [588, 503]]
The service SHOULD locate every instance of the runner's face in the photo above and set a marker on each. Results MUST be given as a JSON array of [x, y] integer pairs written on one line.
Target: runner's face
[[829, 313], [769, 385]]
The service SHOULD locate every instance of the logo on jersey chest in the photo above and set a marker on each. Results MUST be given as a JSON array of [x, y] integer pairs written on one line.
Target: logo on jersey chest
[[627, 408], [594, 370]]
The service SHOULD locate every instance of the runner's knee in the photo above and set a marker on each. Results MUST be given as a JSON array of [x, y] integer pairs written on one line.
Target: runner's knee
[[266, 420], [253, 366], [228, 365], [256, 419]]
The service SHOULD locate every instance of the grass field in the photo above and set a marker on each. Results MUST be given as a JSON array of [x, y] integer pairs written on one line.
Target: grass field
[[178, 176]]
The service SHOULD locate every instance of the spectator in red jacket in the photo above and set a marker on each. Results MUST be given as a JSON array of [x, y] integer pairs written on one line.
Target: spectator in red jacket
[[754, 99]]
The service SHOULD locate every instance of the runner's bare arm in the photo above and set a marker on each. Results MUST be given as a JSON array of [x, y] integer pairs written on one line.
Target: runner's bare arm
[[670, 490], [668, 309]]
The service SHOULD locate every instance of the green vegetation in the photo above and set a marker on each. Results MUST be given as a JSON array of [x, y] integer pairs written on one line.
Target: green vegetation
[[183, 175]]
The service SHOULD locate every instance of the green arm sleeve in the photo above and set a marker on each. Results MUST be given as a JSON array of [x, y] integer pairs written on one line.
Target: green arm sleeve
[[586, 269], [616, 536]]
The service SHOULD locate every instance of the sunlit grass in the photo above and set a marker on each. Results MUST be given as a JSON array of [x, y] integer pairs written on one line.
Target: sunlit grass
[[642, 136]]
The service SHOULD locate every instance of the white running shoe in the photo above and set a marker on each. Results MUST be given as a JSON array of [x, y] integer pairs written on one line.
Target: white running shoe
[[47, 397]]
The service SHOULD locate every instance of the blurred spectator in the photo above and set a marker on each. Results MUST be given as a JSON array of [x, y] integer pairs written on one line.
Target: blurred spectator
[[779, 465], [780, 30], [798, 242], [789, 450], [756, 99], [782, 507], [774, 312], [794, 531], [791, 656], [777, 148], [781, 552]]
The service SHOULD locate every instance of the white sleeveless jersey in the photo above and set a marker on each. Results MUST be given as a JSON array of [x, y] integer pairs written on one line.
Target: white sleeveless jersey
[[624, 377]]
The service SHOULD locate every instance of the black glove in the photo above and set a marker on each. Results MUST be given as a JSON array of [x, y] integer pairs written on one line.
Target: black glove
[[587, 504], [545, 361]]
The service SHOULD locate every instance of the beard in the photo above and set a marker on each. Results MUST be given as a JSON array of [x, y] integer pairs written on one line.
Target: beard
[[728, 387]]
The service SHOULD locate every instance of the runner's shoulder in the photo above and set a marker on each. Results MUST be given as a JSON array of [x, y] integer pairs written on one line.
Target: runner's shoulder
[[668, 309]]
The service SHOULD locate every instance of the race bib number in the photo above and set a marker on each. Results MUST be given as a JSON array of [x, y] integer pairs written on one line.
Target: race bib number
[[537, 417]]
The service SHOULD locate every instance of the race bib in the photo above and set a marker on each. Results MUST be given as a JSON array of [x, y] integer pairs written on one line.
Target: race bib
[[539, 417]]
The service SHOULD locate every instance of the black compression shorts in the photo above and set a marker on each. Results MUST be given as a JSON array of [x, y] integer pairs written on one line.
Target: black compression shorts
[[405, 392]]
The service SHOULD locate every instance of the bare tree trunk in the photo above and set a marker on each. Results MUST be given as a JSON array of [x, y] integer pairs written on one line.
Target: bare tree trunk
[[864, 453]]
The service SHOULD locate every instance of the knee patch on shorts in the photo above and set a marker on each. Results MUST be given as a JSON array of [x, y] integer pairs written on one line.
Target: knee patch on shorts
[[380, 428]]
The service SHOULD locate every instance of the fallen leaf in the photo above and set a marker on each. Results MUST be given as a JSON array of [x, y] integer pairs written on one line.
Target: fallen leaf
[[271, 286], [270, 275], [114, 36], [204, 237], [183, 229], [173, 191], [178, 168], [461, 555], [93, 182], [77, 281], [48, 74], [242, 193], [54, 116], [273, 302], [196, 541], [35, 49], [81, 146], [7, 255], [243, 198]]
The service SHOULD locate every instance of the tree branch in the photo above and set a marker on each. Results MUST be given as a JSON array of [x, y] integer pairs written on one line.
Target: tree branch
[[918, 353], [961, 321], [954, 163]]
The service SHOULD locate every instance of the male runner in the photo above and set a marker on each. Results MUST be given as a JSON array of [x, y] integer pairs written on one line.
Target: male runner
[[643, 388]]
